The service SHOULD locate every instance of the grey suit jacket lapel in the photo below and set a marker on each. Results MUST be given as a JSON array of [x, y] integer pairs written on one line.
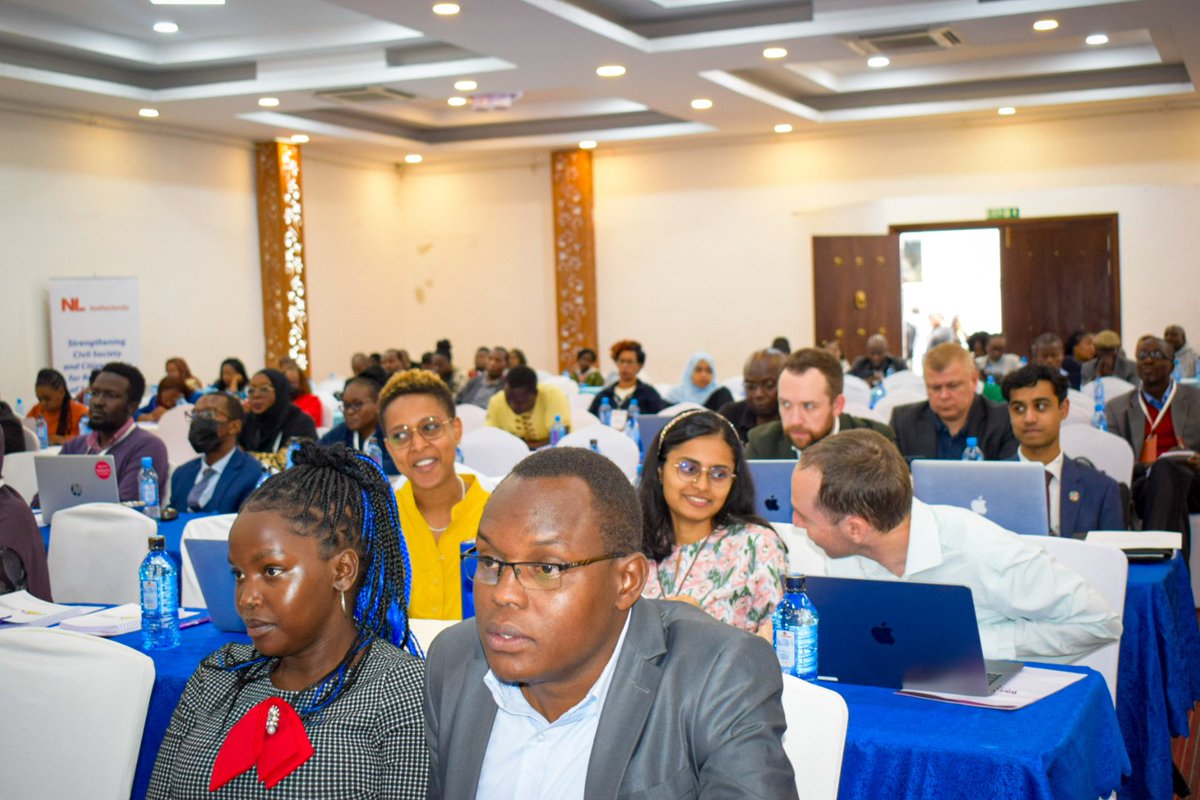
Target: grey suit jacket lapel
[[627, 705], [470, 730]]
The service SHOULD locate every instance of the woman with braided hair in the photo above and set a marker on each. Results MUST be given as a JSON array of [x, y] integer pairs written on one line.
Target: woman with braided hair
[[325, 702]]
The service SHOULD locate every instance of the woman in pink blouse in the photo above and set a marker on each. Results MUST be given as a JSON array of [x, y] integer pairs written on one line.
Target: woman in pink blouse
[[699, 526]]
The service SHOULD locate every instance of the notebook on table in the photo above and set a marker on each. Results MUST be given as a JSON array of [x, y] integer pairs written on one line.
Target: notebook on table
[[69, 481], [899, 635], [773, 488], [1011, 494], [210, 560]]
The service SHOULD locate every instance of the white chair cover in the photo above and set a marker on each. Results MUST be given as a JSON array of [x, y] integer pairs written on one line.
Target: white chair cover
[[74, 709], [173, 430], [906, 379], [858, 393], [95, 552], [1078, 414], [615, 445], [735, 387], [472, 416], [581, 401], [427, 630], [582, 418], [1113, 387], [899, 397], [330, 385], [32, 443], [567, 386], [492, 451], [214, 528], [1108, 452], [816, 736], [329, 407], [863, 410], [19, 473], [488, 484]]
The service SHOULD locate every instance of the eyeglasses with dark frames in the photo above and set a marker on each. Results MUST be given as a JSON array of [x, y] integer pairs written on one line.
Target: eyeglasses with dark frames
[[535, 575]]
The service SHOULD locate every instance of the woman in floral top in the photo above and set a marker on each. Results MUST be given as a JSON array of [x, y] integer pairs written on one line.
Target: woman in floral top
[[699, 526]]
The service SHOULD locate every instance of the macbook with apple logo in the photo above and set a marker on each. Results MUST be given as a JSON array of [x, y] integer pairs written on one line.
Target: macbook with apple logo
[[1011, 494], [772, 488], [901, 635]]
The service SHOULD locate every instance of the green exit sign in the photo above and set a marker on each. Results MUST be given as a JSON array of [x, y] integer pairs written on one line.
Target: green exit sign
[[1004, 213]]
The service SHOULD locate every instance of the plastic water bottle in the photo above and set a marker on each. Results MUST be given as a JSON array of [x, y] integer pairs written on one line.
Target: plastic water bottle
[[1099, 421], [1098, 391], [633, 428], [878, 392], [972, 453], [85, 426], [43, 433], [1177, 373], [557, 431], [594, 445], [262, 478], [991, 390], [292, 449], [795, 630], [160, 598], [374, 451], [148, 488], [605, 411], [458, 456], [20, 408]]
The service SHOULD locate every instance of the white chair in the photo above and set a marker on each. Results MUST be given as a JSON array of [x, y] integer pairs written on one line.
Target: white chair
[[567, 386], [95, 552], [1078, 398], [1108, 452], [1078, 414], [492, 451], [32, 443], [815, 737], [214, 528], [30, 422], [863, 410], [472, 416], [899, 397], [1113, 387], [906, 379], [582, 400], [173, 430], [735, 387], [582, 418], [486, 483], [1105, 568], [663, 389], [613, 444], [679, 408], [329, 407], [330, 385], [427, 630], [20, 474], [858, 392], [74, 710]]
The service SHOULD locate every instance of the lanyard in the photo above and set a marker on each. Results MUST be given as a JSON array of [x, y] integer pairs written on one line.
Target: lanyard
[[1162, 407]]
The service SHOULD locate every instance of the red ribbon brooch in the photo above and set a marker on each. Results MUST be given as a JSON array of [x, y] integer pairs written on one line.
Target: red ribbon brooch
[[269, 735]]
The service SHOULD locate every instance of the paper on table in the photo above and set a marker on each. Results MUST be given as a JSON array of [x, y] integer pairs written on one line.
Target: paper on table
[[1027, 686], [113, 621], [22, 608], [1137, 540]]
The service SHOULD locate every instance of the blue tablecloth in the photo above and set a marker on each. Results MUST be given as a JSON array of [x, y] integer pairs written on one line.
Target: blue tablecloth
[[1159, 677], [172, 531]]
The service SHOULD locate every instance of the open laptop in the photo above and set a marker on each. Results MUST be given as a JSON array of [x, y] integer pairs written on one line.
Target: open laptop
[[210, 560], [1011, 494], [69, 481], [773, 488], [916, 636], [648, 427]]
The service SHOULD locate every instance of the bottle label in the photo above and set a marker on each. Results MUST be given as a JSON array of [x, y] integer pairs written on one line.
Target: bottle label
[[785, 649], [806, 650], [149, 493], [149, 596]]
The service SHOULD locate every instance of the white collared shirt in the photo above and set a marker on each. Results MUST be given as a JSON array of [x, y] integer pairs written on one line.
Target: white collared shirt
[[217, 469], [529, 758], [1053, 489]]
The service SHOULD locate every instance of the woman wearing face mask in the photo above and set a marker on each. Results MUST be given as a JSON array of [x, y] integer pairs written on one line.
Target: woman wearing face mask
[[223, 477], [272, 421], [699, 527], [699, 384], [360, 404], [324, 702]]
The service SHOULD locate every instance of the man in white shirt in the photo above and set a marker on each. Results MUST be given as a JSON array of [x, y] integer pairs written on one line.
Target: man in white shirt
[[568, 684], [852, 493]]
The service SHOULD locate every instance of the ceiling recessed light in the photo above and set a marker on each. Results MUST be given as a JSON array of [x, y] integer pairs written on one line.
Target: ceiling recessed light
[[299, 138], [587, 144], [1006, 111], [446, 9], [148, 113], [702, 104], [610, 71], [783, 128], [413, 158], [268, 102], [878, 62], [456, 101], [1045, 25], [774, 52], [1097, 38], [166, 27], [465, 86]]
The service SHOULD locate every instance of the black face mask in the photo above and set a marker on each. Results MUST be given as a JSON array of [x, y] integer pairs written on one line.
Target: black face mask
[[204, 435]]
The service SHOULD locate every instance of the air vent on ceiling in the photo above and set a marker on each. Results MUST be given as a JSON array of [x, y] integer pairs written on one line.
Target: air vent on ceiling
[[365, 94], [900, 42]]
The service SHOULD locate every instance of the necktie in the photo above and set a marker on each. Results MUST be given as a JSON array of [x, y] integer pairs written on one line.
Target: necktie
[[198, 490], [1049, 521]]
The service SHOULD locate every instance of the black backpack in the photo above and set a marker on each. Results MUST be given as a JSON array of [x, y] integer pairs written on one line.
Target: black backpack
[[12, 572]]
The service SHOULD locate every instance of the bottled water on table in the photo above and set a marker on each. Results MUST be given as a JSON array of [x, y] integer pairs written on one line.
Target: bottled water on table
[[20, 408], [972, 453], [557, 431], [878, 392], [160, 598], [795, 622], [605, 411], [1099, 420], [43, 433], [1098, 391], [633, 428], [595, 445], [85, 426], [148, 488], [374, 451]]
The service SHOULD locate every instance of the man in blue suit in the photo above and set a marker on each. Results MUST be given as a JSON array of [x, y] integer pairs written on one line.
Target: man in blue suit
[[223, 477], [1081, 498]]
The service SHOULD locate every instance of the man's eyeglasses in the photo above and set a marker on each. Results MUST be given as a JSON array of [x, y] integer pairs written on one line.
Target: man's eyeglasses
[[535, 575], [430, 428], [1157, 355], [750, 386], [260, 391], [191, 415], [357, 405], [690, 472]]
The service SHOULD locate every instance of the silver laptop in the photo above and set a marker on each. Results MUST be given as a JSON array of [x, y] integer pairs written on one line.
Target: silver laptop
[[69, 481], [773, 488], [210, 560], [1011, 494], [899, 635]]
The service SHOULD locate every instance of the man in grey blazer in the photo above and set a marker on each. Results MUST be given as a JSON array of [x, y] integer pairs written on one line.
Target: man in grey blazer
[[568, 685]]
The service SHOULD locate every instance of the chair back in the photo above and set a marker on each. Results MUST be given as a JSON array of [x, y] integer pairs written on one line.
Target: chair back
[[492, 451], [856, 389], [173, 430], [908, 380], [215, 527], [863, 410], [565, 385], [736, 387], [1108, 452], [1113, 387], [95, 552], [679, 408], [582, 418], [472, 416], [74, 709], [613, 444], [329, 407], [1105, 568], [1078, 413], [20, 474], [580, 400], [32, 443], [900, 397], [816, 736]]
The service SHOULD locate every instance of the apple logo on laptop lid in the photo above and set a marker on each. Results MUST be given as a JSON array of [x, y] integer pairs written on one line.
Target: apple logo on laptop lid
[[883, 634], [979, 506]]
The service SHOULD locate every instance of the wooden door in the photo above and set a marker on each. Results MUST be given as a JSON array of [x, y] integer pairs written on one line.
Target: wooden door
[[856, 290], [1057, 275]]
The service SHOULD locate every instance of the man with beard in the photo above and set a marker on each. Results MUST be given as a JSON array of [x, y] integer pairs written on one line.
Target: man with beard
[[810, 408], [116, 393], [223, 477], [760, 382]]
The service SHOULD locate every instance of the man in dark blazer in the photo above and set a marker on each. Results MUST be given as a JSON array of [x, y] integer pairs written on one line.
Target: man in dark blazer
[[652, 698], [940, 426], [1081, 497], [224, 476], [1048, 349]]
